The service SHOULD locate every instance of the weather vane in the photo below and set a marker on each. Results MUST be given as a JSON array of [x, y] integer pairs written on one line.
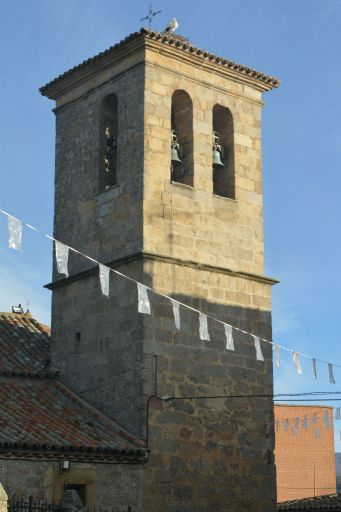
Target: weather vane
[[150, 16]]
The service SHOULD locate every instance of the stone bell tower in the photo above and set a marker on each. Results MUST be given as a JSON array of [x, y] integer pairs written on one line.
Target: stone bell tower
[[158, 175]]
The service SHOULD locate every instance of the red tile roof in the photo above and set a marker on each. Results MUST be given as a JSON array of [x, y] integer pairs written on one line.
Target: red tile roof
[[328, 502], [42, 418], [24, 345], [42, 415]]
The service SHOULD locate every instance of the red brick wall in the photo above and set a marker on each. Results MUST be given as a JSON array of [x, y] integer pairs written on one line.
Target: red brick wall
[[305, 464]]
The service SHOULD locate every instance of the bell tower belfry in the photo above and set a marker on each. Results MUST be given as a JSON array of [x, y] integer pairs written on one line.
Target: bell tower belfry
[[158, 175]]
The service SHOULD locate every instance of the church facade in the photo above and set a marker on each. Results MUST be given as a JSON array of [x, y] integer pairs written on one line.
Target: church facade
[[158, 175]]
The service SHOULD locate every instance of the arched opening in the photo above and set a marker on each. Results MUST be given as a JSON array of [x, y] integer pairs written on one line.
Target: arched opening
[[108, 143], [182, 138], [223, 153]]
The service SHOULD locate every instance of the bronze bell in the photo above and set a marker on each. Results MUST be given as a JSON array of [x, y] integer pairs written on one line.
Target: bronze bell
[[218, 151], [175, 155], [175, 148], [217, 163]]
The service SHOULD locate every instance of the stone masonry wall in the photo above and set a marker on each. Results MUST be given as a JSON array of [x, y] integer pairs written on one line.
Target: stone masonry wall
[[204, 453], [207, 453], [105, 225], [105, 365], [108, 486], [101, 366], [192, 223], [221, 441]]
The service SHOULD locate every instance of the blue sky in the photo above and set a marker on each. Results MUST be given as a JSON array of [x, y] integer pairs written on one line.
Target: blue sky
[[298, 41]]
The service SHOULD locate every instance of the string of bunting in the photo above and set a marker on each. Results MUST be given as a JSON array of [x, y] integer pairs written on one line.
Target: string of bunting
[[300, 424], [15, 229], [293, 425]]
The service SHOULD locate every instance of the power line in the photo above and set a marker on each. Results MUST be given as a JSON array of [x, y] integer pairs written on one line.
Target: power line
[[310, 400], [273, 396]]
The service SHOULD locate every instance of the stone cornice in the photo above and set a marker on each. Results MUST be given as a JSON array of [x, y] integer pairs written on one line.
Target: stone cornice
[[165, 259], [90, 67], [213, 64], [206, 83], [167, 44]]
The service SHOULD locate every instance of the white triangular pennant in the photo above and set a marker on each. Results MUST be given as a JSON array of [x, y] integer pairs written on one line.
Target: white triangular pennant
[[62, 257], [104, 273], [259, 354], [229, 337], [295, 426], [314, 368], [286, 424], [326, 419], [176, 313], [331, 373], [203, 327], [277, 355], [14, 233], [297, 364], [143, 300]]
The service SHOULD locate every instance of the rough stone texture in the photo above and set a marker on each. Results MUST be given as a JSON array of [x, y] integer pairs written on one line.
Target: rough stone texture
[[204, 454], [106, 485], [105, 366], [194, 224], [207, 452], [106, 226]]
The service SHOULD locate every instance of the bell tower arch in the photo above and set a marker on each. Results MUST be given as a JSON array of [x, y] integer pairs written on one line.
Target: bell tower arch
[[193, 235]]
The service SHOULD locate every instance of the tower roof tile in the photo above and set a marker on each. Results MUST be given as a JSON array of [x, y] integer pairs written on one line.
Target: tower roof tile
[[175, 41]]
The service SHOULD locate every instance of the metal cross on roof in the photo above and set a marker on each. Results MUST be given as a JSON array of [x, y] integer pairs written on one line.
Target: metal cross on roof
[[150, 16]]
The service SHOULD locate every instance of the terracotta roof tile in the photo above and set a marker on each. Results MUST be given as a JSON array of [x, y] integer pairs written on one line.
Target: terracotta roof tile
[[327, 502], [170, 40], [45, 416], [24, 345]]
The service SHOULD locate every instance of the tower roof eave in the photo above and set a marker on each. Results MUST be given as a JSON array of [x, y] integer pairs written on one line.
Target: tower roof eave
[[136, 40]]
